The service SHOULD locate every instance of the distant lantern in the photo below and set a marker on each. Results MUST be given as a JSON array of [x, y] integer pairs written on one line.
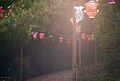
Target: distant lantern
[[111, 1], [1, 11], [61, 39], [34, 35], [41, 35], [79, 14], [92, 37], [91, 9]]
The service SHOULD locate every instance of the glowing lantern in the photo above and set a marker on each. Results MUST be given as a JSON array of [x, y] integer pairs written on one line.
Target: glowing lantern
[[111, 1], [61, 39], [41, 35], [92, 37], [79, 14], [51, 36], [91, 9], [34, 35], [1, 11], [78, 30]]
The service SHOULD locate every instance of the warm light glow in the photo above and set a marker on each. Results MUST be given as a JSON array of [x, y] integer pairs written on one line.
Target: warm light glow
[[41, 35], [111, 1], [92, 37], [34, 35], [91, 9], [61, 39]]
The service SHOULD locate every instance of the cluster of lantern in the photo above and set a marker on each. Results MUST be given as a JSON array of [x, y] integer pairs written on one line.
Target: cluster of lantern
[[41, 36], [91, 9], [1, 12], [61, 40], [87, 37], [38, 35]]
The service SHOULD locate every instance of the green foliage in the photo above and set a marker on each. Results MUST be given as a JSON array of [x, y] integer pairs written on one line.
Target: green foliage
[[6, 3], [107, 34], [32, 15]]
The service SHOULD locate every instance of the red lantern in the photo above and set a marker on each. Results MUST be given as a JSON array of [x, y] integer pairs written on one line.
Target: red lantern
[[111, 1], [61, 39], [91, 9], [1, 11], [41, 35], [34, 35]]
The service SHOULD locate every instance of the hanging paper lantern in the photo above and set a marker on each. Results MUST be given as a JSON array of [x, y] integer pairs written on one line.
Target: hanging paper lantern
[[79, 14], [1, 11], [91, 9], [111, 1], [41, 35], [92, 37], [61, 39], [34, 35]]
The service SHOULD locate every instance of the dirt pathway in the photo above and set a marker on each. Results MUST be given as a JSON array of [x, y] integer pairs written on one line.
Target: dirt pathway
[[59, 76]]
